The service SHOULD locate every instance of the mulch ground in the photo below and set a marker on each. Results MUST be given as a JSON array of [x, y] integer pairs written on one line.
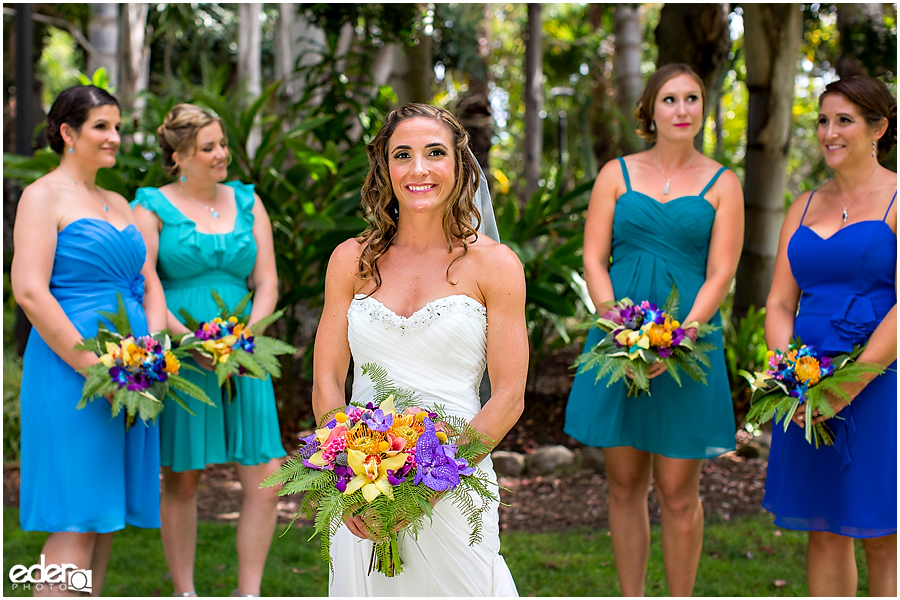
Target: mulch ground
[[730, 486]]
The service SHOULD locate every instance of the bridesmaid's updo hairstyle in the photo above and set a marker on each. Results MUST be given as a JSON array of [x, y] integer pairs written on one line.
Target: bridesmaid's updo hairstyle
[[72, 108], [874, 102], [178, 133], [644, 112], [382, 208]]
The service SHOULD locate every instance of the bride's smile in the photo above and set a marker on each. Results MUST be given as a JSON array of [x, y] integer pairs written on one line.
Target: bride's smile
[[422, 164]]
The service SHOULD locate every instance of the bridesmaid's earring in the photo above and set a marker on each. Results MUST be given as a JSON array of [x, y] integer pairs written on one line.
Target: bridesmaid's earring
[[874, 148], [183, 179], [72, 149], [652, 126]]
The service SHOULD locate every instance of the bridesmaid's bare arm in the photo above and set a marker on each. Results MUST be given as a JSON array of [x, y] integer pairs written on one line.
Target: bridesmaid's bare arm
[[265, 273]]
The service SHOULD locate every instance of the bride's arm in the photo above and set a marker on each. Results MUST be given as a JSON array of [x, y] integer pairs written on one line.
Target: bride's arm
[[507, 342], [332, 350]]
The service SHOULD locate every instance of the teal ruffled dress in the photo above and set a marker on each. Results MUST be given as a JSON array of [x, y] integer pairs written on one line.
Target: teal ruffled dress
[[656, 245], [190, 265]]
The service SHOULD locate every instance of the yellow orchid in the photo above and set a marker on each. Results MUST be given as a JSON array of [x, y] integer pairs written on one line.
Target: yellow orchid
[[371, 473]]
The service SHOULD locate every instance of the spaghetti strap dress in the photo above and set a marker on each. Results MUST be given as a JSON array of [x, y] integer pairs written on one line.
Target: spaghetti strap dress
[[190, 265], [654, 246], [80, 470], [848, 286]]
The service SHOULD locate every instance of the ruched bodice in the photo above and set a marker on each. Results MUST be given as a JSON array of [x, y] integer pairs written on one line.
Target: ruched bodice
[[113, 258], [847, 284], [445, 340], [439, 352], [656, 245], [81, 471]]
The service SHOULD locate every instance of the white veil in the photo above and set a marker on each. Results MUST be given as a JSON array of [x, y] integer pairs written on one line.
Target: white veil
[[483, 201]]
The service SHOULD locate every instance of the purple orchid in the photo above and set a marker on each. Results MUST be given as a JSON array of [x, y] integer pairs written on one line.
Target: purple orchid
[[436, 465], [399, 476], [379, 421], [342, 475]]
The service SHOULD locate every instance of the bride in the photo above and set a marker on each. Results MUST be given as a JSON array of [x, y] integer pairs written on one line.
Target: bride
[[414, 294]]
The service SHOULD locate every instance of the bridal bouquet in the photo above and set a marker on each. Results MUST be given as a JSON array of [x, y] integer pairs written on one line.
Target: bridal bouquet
[[802, 376], [387, 461], [233, 348], [139, 372], [639, 335]]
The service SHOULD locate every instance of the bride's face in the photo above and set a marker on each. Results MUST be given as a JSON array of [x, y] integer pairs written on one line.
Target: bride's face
[[422, 164]]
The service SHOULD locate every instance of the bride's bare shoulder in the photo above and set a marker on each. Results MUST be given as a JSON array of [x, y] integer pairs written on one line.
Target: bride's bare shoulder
[[497, 265], [344, 262]]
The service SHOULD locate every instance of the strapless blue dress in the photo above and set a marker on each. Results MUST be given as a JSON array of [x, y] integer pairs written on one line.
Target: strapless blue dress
[[848, 286], [80, 470], [655, 245]]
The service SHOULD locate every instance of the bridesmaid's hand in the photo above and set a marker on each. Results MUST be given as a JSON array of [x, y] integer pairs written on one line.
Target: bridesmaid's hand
[[656, 369], [202, 361]]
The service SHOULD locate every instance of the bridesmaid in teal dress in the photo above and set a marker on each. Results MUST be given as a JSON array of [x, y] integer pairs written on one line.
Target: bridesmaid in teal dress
[[665, 216], [82, 475], [203, 235]]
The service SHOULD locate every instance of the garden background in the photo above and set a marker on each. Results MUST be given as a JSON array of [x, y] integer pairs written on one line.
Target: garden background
[[546, 92]]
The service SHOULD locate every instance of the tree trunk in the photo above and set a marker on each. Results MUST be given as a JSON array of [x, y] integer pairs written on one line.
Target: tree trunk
[[696, 35], [474, 108], [103, 33], [772, 35], [250, 64], [134, 68], [628, 68], [533, 100], [284, 49]]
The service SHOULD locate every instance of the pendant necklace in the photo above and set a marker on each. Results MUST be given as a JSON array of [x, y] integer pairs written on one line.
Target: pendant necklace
[[855, 198], [75, 181], [669, 179], [213, 212]]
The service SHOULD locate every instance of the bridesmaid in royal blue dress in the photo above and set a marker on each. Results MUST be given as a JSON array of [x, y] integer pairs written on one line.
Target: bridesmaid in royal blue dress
[[82, 475], [837, 259], [665, 216]]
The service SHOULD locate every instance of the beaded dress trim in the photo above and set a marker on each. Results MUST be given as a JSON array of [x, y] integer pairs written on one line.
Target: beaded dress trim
[[422, 318]]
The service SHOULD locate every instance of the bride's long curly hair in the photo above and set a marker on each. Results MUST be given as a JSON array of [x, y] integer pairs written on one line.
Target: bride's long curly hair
[[461, 217]]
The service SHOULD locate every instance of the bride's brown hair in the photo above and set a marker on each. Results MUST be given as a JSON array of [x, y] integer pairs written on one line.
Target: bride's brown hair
[[381, 206]]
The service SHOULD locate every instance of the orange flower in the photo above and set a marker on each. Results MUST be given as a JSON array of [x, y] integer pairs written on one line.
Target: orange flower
[[807, 370], [659, 336]]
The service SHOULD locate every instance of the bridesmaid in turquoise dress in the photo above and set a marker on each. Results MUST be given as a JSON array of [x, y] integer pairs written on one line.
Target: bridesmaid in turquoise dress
[[837, 260], [665, 216], [82, 475], [203, 235]]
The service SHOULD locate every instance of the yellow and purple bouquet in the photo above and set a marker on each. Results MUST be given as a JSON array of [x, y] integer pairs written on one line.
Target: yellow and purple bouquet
[[231, 345], [639, 335], [388, 461], [139, 372], [801, 376]]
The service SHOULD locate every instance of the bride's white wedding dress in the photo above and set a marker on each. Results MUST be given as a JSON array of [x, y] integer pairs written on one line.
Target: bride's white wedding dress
[[440, 353]]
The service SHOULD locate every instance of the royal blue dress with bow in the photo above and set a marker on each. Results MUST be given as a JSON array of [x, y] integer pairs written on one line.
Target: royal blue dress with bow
[[80, 470], [848, 286]]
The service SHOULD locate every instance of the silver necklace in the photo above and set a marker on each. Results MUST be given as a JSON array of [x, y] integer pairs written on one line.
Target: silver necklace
[[213, 212], [669, 179], [856, 197], [75, 181]]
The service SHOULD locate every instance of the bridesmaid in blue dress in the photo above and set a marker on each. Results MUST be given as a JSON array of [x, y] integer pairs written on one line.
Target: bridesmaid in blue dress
[[82, 475], [665, 216], [837, 260]]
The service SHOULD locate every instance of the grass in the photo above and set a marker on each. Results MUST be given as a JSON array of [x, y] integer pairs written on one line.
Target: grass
[[744, 557]]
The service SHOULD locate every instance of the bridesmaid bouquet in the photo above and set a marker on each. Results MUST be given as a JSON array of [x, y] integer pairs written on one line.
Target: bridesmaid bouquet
[[639, 335], [228, 341], [801, 376], [139, 372], [387, 461]]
